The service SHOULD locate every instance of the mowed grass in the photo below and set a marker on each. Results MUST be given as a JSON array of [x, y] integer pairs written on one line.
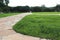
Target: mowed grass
[[7, 14], [43, 26], [46, 13]]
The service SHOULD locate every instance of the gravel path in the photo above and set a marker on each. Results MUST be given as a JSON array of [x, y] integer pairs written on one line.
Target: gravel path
[[6, 32]]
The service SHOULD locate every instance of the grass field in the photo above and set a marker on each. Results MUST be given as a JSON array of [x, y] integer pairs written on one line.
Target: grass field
[[7, 14], [46, 12], [43, 26]]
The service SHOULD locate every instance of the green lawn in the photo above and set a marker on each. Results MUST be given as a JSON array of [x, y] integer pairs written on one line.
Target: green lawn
[[7, 14], [45, 13], [43, 26]]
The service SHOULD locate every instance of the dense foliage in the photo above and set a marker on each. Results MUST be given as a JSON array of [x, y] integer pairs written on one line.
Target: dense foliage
[[5, 8]]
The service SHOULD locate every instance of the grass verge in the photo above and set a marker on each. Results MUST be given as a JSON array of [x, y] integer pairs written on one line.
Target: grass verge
[[7, 14], [43, 26]]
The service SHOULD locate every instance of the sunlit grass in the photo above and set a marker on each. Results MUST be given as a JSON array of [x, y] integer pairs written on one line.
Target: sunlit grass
[[7, 14], [43, 26]]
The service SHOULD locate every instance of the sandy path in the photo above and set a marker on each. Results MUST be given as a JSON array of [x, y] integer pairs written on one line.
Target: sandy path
[[6, 32]]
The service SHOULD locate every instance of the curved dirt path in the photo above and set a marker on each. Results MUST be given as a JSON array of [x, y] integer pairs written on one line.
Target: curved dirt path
[[6, 32]]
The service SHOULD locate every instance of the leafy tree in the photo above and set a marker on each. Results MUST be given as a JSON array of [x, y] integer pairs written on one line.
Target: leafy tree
[[57, 8], [43, 8], [36, 9], [6, 2], [1, 6], [1, 1]]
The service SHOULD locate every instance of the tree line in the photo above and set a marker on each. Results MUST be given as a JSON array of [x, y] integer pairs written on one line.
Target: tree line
[[5, 8]]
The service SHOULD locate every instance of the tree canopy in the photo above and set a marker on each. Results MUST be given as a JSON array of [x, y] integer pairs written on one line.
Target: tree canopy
[[5, 8], [6, 2]]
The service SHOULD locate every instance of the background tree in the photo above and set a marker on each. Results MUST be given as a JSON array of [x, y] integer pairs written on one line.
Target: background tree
[[57, 8], [1, 5], [1, 1], [6, 8], [36, 9], [43, 8], [6, 2]]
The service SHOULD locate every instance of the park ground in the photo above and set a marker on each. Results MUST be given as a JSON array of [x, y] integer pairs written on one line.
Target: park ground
[[40, 24], [44, 25]]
